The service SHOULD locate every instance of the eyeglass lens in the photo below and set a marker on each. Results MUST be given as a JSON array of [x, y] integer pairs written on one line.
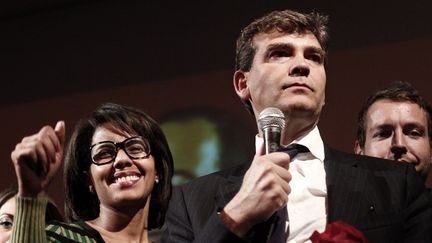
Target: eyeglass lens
[[106, 152]]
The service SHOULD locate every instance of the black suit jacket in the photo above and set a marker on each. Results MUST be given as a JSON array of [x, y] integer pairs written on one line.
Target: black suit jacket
[[386, 200]]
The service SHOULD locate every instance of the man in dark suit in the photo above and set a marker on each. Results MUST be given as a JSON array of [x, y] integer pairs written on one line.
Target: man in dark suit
[[275, 198]]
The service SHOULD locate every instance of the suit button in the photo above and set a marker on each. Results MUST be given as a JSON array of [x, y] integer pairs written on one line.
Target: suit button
[[371, 208]]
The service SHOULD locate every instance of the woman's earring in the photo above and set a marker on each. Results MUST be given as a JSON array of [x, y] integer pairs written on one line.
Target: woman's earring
[[157, 180], [91, 189]]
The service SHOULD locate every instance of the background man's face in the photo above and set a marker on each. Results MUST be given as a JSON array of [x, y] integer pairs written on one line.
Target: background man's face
[[397, 131]]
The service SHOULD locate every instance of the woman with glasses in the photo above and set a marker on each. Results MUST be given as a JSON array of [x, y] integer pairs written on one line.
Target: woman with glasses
[[117, 176]]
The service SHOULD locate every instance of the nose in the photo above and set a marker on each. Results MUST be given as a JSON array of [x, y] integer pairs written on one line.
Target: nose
[[299, 67], [398, 147], [122, 160]]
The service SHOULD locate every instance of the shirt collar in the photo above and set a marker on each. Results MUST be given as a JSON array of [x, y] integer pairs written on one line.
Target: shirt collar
[[312, 140]]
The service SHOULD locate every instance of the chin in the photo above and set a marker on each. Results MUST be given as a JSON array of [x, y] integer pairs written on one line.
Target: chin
[[299, 110], [298, 103], [131, 202]]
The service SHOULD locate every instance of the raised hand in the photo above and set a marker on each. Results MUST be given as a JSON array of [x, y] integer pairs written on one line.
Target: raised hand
[[37, 158], [264, 190]]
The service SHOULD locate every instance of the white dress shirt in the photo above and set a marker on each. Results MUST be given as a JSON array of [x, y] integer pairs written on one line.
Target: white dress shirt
[[307, 200]]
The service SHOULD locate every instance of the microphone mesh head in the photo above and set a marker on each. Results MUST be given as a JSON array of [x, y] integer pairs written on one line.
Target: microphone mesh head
[[272, 117]]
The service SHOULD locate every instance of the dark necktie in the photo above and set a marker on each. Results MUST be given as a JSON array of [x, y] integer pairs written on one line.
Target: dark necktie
[[281, 216], [294, 149]]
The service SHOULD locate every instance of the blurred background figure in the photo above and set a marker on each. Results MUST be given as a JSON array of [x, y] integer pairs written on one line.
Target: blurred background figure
[[201, 139], [7, 212]]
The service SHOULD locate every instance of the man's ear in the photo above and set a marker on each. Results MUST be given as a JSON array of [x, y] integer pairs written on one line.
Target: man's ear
[[241, 86], [357, 148]]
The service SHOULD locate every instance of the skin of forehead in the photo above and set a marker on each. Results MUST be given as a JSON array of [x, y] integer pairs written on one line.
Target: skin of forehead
[[8, 207], [386, 111]]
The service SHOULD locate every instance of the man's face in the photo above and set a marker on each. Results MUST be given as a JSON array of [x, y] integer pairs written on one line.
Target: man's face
[[397, 131], [287, 73]]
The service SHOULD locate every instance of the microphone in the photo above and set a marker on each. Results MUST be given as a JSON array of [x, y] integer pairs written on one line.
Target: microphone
[[271, 121]]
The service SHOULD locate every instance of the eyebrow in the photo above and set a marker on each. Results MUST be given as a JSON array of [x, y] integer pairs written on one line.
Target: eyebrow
[[277, 46], [385, 125], [409, 125], [6, 214], [415, 124]]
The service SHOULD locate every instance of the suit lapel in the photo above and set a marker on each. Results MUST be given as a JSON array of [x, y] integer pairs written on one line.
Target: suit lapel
[[345, 184]]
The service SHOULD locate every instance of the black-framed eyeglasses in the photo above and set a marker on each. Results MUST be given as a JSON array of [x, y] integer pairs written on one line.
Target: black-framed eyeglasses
[[106, 151]]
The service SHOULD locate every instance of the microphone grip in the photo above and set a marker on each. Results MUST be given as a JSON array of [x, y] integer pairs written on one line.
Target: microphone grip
[[272, 136]]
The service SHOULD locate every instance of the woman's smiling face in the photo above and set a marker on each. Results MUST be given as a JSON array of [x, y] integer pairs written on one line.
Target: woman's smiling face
[[125, 182]]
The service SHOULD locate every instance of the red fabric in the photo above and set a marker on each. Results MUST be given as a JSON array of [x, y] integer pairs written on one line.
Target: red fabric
[[339, 232]]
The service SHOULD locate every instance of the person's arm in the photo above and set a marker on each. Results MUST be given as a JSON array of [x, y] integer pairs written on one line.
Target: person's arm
[[179, 227], [264, 190], [29, 220], [36, 160]]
